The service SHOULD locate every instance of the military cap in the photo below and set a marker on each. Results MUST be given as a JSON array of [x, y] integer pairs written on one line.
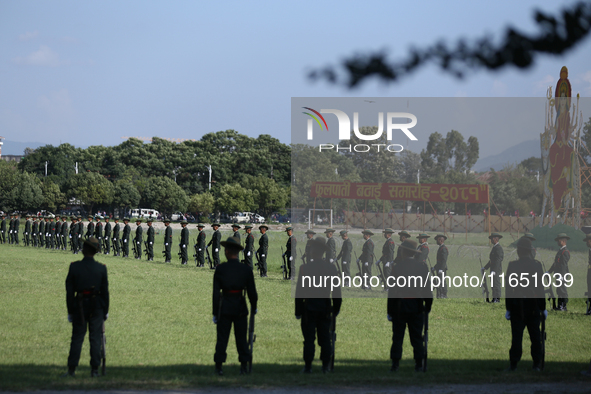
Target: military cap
[[440, 236], [166, 220], [116, 218], [310, 232], [78, 217], [529, 236], [232, 243], [289, 229], [139, 220], [234, 225], [367, 232], [423, 235], [98, 217], [343, 232], [215, 224], [184, 222], [329, 230], [126, 219], [561, 236], [89, 216], [107, 218], [247, 226], [495, 235], [524, 243], [149, 220], [264, 225], [200, 225], [72, 217], [388, 231], [27, 215], [411, 245], [92, 242]]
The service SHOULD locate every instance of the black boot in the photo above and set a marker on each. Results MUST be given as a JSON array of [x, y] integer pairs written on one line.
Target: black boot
[[243, 368], [395, 365], [94, 373], [325, 367], [307, 367], [419, 365], [218, 369], [588, 307], [71, 372]]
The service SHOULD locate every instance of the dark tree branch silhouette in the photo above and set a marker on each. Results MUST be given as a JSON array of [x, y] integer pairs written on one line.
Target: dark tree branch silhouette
[[556, 35]]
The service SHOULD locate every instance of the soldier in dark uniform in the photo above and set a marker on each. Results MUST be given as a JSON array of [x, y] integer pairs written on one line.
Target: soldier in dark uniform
[[150, 241], [28, 230], [408, 305], [201, 245], [587, 240], [57, 233], [345, 254], [248, 246], [423, 247], [495, 264], [167, 241], [87, 296], [263, 249], [560, 267], [139, 237], [235, 228], [214, 242], [107, 236], [50, 229], [331, 246], [125, 239], [307, 255], [231, 281], [441, 265], [15, 231], [403, 235], [367, 254], [10, 228], [42, 231], [64, 232], [3, 229], [184, 242], [80, 231], [35, 231], [314, 306], [387, 257], [89, 227], [525, 305], [116, 239], [290, 252], [98, 232], [74, 234]]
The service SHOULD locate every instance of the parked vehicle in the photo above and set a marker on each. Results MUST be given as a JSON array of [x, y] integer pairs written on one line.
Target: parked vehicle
[[144, 213]]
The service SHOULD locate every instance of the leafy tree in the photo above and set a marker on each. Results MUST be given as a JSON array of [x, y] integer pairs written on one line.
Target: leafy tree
[[19, 191], [163, 194], [234, 198], [90, 188], [125, 195], [556, 35], [449, 153], [268, 195], [203, 204], [53, 198]]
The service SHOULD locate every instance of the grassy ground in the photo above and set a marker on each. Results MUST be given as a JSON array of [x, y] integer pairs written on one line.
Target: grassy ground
[[160, 333]]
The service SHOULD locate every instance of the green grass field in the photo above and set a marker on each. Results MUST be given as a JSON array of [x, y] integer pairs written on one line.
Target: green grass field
[[160, 334]]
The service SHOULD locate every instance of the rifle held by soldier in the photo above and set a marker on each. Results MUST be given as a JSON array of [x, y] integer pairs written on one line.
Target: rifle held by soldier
[[135, 248], [284, 266], [209, 260], [258, 264], [358, 266], [251, 338], [426, 340]]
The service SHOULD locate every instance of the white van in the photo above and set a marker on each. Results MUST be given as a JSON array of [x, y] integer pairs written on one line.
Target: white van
[[144, 213]]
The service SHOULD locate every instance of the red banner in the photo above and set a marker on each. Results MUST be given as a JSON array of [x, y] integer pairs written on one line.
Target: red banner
[[401, 191]]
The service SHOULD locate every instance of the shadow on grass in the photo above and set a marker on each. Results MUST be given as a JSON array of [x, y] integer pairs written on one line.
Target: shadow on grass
[[350, 373]]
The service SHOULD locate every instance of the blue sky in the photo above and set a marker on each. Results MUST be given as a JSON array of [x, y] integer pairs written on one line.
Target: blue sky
[[90, 72]]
